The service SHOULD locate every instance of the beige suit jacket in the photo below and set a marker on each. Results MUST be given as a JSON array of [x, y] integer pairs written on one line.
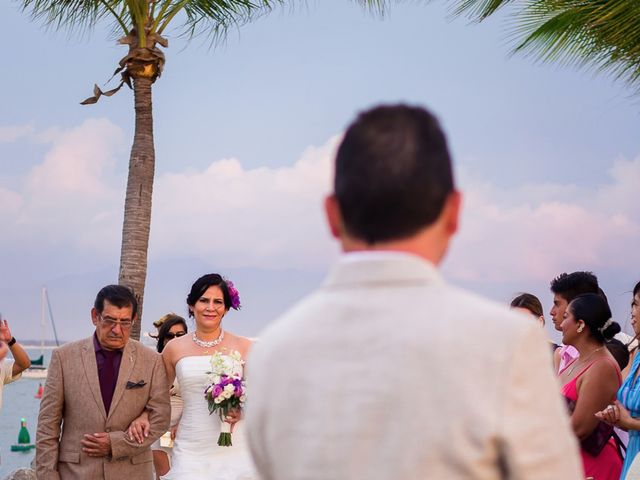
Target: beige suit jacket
[[72, 406], [387, 372]]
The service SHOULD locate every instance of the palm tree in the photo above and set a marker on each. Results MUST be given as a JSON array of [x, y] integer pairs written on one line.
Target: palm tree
[[599, 34], [141, 24]]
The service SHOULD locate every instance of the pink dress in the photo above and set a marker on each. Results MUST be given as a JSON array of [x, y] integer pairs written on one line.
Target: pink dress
[[608, 464]]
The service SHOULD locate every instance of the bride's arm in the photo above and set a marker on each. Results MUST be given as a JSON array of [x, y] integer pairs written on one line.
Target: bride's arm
[[168, 357]]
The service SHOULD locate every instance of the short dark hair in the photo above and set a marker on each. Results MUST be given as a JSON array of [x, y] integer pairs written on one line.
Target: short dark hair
[[170, 320], [393, 173], [594, 311], [636, 289], [619, 351], [570, 285], [119, 295], [202, 284], [530, 302]]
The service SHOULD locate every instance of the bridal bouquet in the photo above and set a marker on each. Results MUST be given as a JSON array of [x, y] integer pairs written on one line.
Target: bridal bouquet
[[226, 391]]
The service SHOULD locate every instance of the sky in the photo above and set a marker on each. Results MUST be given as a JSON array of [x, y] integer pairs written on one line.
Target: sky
[[547, 157]]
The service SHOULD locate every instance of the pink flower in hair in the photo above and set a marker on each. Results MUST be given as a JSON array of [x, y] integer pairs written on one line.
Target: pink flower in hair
[[234, 295]]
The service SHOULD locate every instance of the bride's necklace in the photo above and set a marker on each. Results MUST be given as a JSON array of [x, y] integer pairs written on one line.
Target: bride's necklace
[[211, 344], [579, 360]]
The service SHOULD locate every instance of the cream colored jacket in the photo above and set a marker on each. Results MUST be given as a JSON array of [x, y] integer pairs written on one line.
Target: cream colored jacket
[[387, 372]]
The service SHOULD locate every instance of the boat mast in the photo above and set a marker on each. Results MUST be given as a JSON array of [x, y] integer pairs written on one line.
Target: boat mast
[[42, 299]]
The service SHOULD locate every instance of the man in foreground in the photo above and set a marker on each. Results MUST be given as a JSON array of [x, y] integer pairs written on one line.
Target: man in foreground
[[96, 387], [387, 371]]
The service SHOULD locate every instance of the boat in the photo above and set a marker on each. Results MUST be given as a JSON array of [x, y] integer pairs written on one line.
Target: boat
[[38, 369]]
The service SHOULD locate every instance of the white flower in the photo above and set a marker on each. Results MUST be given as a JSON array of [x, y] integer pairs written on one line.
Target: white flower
[[229, 388], [243, 398], [217, 400]]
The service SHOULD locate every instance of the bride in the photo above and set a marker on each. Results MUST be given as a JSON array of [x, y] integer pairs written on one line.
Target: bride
[[196, 454]]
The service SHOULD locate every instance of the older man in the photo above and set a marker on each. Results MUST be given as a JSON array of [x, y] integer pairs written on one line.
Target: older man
[[96, 387], [387, 371]]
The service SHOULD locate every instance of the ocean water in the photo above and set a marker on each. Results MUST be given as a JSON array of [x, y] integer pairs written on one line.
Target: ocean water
[[19, 402]]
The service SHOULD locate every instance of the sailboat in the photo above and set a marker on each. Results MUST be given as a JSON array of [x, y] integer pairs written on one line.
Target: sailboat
[[38, 369]]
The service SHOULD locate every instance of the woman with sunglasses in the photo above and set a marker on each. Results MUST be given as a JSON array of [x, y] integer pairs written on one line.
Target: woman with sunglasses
[[169, 326]]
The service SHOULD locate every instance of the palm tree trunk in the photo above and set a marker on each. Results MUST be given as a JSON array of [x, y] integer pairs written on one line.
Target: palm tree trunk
[[137, 204]]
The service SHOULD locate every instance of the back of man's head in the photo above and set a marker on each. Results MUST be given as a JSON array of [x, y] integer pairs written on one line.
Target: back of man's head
[[393, 173], [570, 285]]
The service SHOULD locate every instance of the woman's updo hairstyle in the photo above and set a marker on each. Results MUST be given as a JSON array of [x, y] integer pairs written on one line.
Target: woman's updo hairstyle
[[594, 311], [636, 289], [202, 284]]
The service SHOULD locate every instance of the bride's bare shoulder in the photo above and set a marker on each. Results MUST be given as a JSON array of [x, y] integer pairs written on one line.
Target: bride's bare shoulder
[[240, 343]]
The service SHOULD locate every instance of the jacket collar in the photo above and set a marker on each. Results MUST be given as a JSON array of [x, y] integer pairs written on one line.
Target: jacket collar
[[371, 268]]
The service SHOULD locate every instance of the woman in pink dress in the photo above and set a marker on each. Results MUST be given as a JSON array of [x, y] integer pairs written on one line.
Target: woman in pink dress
[[590, 383]]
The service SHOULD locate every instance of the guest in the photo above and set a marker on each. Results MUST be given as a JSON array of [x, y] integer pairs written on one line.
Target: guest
[[565, 287], [625, 412], [620, 352], [591, 381], [356, 381], [528, 303], [10, 370], [95, 388], [169, 326]]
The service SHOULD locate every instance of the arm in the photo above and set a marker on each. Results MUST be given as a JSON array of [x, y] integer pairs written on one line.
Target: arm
[[49, 421], [556, 360], [596, 389], [536, 437], [159, 412], [3, 350], [20, 357]]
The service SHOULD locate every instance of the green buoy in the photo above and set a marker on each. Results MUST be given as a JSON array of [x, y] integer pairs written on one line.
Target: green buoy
[[24, 439]]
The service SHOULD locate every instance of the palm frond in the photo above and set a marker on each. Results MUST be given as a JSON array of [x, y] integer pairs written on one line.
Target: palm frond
[[75, 15], [596, 34]]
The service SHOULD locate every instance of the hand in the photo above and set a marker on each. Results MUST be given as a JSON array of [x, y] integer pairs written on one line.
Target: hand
[[5, 333], [97, 445], [233, 417], [139, 428], [173, 431], [616, 415]]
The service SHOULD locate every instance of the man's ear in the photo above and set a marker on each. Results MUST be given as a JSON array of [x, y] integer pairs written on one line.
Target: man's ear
[[334, 216], [453, 207], [94, 316]]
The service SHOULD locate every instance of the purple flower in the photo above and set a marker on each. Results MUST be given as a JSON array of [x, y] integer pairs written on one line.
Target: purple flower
[[217, 390], [234, 295]]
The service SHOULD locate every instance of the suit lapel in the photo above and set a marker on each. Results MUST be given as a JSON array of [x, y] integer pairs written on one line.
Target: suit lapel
[[126, 368], [91, 373]]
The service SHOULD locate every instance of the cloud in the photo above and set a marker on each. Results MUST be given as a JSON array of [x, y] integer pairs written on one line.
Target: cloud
[[12, 133], [59, 199], [535, 232], [265, 217], [272, 216]]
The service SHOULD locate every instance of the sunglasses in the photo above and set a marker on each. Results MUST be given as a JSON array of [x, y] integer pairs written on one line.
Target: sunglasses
[[171, 335]]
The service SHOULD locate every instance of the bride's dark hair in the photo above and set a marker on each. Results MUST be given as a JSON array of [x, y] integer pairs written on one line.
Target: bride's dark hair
[[202, 284]]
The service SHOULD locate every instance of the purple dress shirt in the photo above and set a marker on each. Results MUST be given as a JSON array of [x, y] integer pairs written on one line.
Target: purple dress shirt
[[108, 368]]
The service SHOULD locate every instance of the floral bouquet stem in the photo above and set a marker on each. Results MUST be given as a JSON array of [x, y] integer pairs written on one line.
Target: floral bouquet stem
[[224, 440]]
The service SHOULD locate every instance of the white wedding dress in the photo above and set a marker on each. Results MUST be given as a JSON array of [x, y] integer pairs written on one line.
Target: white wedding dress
[[196, 454]]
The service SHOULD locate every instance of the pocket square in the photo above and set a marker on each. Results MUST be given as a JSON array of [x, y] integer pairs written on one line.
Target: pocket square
[[139, 384]]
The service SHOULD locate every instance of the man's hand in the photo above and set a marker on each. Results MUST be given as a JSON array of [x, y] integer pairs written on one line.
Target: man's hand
[[96, 445], [5, 333], [139, 428]]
